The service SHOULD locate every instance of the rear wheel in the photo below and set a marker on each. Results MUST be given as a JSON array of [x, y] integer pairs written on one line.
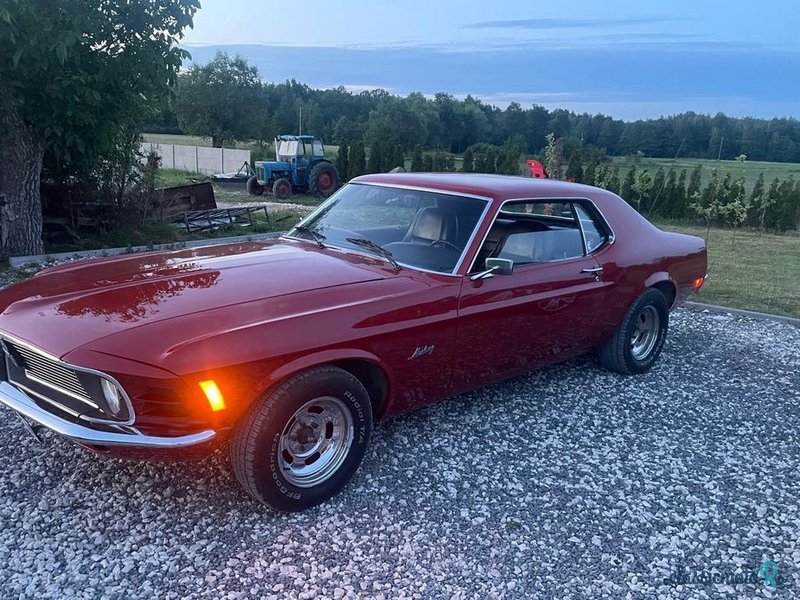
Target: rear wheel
[[637, 342], [253, 187], [302, 442], [323, 180], [282, 188]]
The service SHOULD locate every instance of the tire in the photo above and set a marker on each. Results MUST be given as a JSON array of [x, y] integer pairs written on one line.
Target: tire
[[638, 341], [322, 408], [282, 188], [253, 187], [323, 180]]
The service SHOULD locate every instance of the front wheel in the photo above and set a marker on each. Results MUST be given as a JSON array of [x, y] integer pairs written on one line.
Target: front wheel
[[253, 187], [637, 342], [303, 442]]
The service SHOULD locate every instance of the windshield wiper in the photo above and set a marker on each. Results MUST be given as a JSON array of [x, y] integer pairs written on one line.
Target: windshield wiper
[[318, 237], [377, 249]]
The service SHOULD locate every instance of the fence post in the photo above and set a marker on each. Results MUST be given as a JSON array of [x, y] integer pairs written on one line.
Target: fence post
[[196, 160]]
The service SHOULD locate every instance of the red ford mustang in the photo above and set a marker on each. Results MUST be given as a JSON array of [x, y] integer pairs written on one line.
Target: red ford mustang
[[398, 291]]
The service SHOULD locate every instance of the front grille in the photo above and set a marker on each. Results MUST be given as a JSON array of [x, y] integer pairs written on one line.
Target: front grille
[[48, 372]]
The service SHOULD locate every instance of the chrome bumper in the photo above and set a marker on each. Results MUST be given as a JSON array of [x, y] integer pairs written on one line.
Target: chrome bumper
[[21, 403]]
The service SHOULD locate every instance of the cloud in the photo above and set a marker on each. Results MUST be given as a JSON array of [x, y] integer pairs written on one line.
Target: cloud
[[561, 23]]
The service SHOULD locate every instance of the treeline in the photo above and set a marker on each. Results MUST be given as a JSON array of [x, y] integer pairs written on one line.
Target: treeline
[[663, 194], [445, 122]]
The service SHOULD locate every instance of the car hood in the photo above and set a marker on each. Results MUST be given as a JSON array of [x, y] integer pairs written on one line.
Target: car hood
[[65, 307]]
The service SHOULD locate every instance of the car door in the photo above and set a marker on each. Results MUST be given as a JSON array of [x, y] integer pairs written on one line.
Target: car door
[[540, 313]]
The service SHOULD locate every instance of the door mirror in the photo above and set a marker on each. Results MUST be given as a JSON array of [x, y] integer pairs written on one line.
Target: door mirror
[[501, 266]]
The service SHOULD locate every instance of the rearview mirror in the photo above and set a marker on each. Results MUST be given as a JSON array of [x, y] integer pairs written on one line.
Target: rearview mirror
[[501, 266]]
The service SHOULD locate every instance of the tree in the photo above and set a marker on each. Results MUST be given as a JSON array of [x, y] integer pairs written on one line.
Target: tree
[[678, 197], [694, 182], [614, 182], [221, 100], [575, 168], [357, 160], [554, 158], [707, 204], [643, 188], [760, 201], [342, 163], [627, 188], [734, 206], [656, 192], [467, 165], [416, 159], [376, 159], [398, 158], [72, 78], [427, 163]]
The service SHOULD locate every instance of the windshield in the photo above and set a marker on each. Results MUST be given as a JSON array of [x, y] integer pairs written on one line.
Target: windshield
[[423, 230]]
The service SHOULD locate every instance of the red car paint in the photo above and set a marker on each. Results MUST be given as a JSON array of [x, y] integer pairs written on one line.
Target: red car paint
[[248, 315]]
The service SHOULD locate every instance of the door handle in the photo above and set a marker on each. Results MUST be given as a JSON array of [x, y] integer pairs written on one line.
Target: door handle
[[595, 270]]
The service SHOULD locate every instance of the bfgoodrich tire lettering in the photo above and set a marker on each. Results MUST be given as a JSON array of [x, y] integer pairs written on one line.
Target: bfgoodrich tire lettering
[[262, 440], [631, 350]]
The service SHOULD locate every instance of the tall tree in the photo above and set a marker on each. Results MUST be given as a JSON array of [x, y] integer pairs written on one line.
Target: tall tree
[[376, 158], [627, 188], [398, 158], [694, 182], [416, 159], [575, 168], [342, 162], [357, 159], [73, 77], [467, 165], [222, 100]]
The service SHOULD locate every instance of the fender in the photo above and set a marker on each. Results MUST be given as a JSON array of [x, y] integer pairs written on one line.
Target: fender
[[315, 359], [661, 277]]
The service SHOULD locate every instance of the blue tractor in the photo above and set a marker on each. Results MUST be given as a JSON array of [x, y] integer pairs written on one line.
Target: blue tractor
[[300, 166]]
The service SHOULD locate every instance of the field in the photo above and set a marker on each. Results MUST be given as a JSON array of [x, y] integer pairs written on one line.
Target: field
[[750, 170], [759, 272]]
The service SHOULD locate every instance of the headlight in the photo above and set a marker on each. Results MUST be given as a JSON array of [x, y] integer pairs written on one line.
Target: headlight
[[112, 395]]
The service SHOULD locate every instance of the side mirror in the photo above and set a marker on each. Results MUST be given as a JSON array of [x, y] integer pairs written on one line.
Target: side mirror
[[501, 266]]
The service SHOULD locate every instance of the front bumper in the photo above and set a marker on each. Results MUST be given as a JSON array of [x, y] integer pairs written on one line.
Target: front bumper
[[20, 402]]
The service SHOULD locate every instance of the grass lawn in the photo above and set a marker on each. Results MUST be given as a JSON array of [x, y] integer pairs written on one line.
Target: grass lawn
[[751, 169], [759, 272]]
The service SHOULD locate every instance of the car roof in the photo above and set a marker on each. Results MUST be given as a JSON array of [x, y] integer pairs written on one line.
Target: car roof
[[496, 187]]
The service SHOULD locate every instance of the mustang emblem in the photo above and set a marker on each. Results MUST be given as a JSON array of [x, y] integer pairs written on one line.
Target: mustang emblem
[[422, 351]]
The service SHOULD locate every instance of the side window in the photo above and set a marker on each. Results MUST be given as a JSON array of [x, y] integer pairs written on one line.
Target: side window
[[592, 230], [319, 149], [533, 232]]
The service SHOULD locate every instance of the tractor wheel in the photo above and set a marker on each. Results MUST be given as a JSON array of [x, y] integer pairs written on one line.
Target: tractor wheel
[[323, 180], [282, 188], [253, 187]]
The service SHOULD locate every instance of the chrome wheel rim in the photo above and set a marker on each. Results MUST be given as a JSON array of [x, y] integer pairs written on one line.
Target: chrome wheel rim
[[315, 441], [645, 334]]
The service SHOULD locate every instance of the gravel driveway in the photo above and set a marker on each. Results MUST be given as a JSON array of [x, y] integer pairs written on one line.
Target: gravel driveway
[[570, 482]]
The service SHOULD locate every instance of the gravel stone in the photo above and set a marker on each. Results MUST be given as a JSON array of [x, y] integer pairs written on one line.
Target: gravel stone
[[570, 482]]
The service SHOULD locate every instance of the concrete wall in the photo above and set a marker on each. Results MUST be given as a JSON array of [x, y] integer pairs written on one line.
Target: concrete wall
[[198, 159]]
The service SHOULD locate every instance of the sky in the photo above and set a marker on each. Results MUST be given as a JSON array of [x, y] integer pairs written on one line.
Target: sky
[[628, 59]]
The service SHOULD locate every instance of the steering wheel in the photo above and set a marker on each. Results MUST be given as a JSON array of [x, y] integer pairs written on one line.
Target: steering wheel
[[445, 244]]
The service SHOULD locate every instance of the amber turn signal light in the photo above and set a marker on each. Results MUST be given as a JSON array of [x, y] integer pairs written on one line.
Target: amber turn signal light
[[698, 283], [213, 395]]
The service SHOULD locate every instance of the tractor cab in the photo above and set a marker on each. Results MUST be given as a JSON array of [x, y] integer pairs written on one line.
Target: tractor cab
[[291, 147]]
